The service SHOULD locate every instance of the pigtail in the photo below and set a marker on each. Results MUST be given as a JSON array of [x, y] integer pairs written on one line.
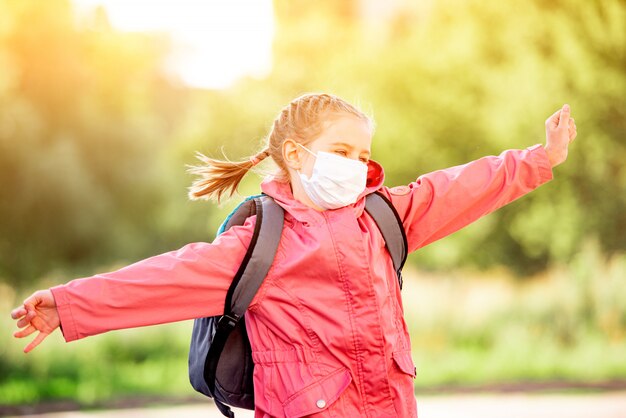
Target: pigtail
[[218, 176]]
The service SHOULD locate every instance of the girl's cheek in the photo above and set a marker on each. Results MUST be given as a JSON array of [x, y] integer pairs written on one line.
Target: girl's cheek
[[307, 167]]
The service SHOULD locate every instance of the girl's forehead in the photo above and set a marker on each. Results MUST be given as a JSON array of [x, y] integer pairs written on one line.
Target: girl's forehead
[[349, 130]]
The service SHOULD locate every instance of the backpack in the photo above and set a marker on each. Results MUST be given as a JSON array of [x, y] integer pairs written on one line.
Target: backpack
[[220, 357]]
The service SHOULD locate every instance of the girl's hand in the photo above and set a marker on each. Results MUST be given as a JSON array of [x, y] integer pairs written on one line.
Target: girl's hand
[[560, 132], [39, 313]]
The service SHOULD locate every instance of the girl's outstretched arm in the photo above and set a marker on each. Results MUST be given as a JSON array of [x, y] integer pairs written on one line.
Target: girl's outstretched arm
[[178, 285], [442, 202]]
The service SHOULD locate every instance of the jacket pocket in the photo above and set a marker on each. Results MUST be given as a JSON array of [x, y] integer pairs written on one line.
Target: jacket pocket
[[318, 396], [404, 361]]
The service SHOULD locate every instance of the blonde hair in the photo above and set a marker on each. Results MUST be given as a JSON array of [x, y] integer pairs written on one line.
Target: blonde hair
[[301, 120]]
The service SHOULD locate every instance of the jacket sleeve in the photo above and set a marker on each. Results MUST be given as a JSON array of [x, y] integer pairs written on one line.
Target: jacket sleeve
[[442, 202], [188, 283]]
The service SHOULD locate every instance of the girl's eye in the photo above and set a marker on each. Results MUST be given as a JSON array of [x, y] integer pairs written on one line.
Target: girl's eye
[[341, 152], [364, 160]]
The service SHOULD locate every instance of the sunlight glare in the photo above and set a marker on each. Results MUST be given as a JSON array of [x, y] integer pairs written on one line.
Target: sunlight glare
[[215, 41]]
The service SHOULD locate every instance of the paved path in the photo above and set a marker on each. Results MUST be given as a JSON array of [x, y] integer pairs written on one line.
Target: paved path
[[605, 405]]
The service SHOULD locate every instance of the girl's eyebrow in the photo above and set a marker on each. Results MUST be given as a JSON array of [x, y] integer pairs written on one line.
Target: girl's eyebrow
[[345, 144]]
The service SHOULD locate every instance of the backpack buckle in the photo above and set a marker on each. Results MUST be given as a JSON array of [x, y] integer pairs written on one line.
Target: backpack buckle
[[228, 322]]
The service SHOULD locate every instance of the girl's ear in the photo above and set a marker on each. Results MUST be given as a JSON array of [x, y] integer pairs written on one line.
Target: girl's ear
[[291, 154]]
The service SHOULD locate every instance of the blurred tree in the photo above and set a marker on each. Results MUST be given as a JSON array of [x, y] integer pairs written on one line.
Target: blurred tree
[[84, 119]]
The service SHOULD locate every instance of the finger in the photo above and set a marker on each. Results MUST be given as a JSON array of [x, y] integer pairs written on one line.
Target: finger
[[28, 305], [572, 135], [564, 118], [24, 321], [571, 129], [553, 120], [34, 343], [34, 299], [25, 332], [30, 309], [18, 312]]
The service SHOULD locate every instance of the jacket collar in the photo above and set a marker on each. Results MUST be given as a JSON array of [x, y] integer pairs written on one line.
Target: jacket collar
[[280, 191]]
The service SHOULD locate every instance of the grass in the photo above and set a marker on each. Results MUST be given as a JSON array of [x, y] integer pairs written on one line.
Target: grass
[[568, 324]]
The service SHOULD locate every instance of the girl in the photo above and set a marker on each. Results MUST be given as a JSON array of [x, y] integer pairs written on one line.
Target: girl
[[326, 328]]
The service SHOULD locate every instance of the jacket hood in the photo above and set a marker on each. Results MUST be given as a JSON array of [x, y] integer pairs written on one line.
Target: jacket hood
[[280, 191]]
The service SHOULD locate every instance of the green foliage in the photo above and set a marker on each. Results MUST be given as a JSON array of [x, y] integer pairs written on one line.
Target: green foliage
[[149, 361], [568, 324], [84, 118]]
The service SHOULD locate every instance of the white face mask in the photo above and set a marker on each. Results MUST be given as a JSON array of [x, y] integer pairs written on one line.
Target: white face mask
[[335, 181]]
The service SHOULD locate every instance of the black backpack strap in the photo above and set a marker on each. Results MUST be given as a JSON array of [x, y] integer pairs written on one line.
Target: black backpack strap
[[224, 409], [257, 262], [390, 225], [252, 271], [242, 212]]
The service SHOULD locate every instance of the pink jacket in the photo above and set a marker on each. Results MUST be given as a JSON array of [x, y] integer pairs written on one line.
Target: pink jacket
[[327, 327]]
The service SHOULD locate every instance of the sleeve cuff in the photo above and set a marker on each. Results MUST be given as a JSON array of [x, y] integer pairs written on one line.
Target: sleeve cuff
[[68, 325], [540, 158]]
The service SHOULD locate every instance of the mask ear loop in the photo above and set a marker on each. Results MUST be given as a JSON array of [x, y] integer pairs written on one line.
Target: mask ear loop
[[307, 150]]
